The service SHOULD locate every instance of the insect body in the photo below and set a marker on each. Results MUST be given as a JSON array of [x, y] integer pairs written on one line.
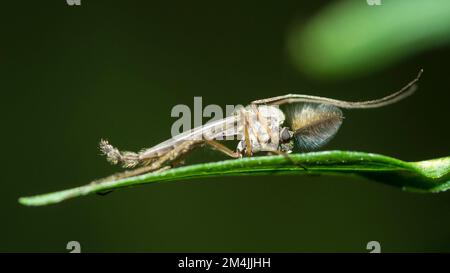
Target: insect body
[[309, 121]]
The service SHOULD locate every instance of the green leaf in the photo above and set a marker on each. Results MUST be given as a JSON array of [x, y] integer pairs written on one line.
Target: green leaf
[[424, 176], [352, 37]]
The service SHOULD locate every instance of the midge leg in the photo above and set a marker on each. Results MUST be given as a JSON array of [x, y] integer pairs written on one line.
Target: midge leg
[[174, 154], [186, 147], [222, 148], [286, 155], [245, 120], [125, 174]]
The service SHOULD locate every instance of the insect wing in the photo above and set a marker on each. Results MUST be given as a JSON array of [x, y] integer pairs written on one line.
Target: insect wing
[[217, 130]]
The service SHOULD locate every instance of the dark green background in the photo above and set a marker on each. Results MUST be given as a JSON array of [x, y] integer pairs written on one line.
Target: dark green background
[[115, 69]]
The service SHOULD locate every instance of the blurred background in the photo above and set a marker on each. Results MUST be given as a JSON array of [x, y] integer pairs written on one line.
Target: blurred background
[[114, 69]]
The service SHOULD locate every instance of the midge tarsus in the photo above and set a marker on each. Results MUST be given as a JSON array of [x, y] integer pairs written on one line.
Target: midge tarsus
[[310, 121]]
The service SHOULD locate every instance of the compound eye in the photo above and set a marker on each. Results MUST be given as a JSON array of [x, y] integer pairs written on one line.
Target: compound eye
[[285, 135]]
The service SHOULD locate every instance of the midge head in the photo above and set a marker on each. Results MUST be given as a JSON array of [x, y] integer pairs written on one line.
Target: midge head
[[286, 140]]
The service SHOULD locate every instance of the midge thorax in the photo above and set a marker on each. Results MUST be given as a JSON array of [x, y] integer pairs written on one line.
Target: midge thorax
[[309, 121]]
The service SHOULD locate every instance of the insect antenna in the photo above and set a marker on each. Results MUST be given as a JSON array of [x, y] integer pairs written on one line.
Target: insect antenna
[[406, 91]]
